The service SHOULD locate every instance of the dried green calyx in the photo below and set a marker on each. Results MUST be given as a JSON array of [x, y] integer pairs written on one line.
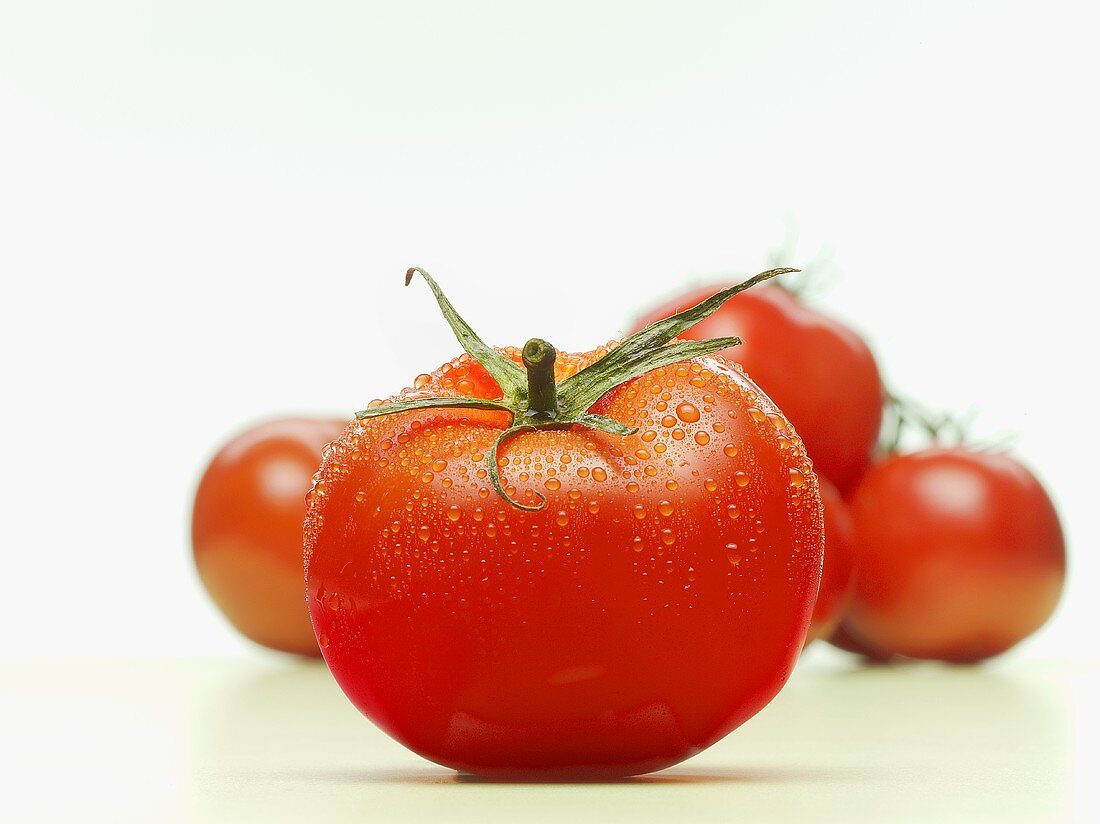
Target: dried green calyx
[[536, 401]]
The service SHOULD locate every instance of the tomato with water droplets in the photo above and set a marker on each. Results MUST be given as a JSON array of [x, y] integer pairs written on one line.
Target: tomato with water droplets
[[550, 580], [819, 372], [246, 529], [648, 608]]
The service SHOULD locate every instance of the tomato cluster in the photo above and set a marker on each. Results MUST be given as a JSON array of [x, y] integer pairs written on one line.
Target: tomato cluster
[[532, 563], [953, 554]]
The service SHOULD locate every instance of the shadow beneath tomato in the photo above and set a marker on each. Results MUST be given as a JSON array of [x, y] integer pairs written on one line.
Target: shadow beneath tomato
[[441, 776], [674, 775]]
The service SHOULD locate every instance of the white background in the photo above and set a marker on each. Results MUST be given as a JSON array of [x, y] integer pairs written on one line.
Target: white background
[[206, 209]]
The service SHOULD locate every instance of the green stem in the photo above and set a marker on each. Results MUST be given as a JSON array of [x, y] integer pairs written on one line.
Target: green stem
[[542, 403], [542, 389]]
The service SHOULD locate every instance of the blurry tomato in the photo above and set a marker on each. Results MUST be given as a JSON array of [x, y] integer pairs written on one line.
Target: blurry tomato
[[840, 638], [818, 371], [961, 556], [837, 574], [246, 529]]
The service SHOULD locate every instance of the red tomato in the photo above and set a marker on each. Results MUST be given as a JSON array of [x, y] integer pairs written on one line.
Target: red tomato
[[246, 529], [658, 600], [818, 371], [837, 574], [961, 556]]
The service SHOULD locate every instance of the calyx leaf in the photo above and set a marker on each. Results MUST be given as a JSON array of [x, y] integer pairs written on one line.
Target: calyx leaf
[[644, 351]]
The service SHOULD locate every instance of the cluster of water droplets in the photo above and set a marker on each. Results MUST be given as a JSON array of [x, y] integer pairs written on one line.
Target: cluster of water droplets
[[660, 482]]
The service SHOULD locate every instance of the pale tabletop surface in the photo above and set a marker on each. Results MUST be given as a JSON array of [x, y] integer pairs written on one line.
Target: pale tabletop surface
[[267, 739]]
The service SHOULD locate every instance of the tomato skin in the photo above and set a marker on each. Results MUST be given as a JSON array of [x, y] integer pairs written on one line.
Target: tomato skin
[[962, 556], [609, 634], [838, 569], [818, 371], [246, 529]]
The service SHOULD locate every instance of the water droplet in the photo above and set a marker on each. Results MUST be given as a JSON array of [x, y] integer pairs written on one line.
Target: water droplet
[[730, 450], [756, 414], [665, 508], [687, 412], [427, 478], [671, 485], [553, 484], [598, 474], [668, 537], [668, 421], [678, 434], [421, 380], [478, 514], [649, 435], [395, 527], [593, 507], [777, 420], [733, 511], [710, 484], [423, 533], [732, 555], [639, 512], [360, 496], [637, 544], [439, 465], [322, 639], [741, 478], [453, 513], [797, 478], [632, 487], [562, 518], [702, 438]]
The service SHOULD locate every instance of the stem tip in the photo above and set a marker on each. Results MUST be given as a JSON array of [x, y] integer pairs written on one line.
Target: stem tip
[[537, 352]]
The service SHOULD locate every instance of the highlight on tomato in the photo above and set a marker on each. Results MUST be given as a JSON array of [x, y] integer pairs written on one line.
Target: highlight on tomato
[[246, 529], [537, 564], [962, 556], [817, 370]]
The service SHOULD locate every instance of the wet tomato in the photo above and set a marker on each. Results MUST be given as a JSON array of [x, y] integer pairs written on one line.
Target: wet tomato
[[817, 370], [246, 529], [961, 556], [605, 567]]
